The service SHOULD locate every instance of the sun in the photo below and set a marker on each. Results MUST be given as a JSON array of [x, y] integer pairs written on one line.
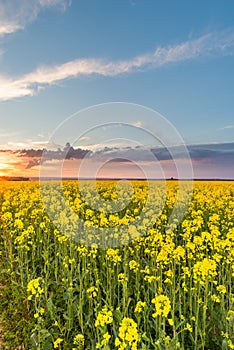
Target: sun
[[3, 168]]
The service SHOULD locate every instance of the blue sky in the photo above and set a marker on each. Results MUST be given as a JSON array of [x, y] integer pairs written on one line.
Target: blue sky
[[59, 56]]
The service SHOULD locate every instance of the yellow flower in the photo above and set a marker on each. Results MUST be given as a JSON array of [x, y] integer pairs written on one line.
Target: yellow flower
[[62, 238], [57, 342], [171, 321], [204, 269], [221, 289], [215, 298], [122, 278], [79, 341], [34, 288], [230, 344], [19, 224], [133, 265], [128, 334], [189, 327], [140, 306], [179, 253], [112, 255], [162, 305], [150, 279], [104, 342], [104, 317], [117, 342], [106, 337], [92, 291]]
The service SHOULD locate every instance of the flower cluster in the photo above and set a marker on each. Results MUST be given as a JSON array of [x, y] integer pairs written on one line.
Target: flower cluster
[[170, 288], [104, 317], [128, 335], [34, 288], [162, 305]]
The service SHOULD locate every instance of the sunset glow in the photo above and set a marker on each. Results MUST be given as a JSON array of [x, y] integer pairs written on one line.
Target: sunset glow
[[3, 168], [209, 161]]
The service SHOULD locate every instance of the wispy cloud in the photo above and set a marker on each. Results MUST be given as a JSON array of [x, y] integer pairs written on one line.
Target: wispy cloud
[[28, 144], [15, 14], [8, 28], [84, 139], [5, 133], [227, 127], [208, 45]]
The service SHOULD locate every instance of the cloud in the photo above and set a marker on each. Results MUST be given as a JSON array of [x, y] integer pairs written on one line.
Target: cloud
[[16, 146], [33, 163], [209, 160], [16, 14], [36, 155], [8, 134], [44, 135], [8, 28], [84, 139], [212, 44], [120, 160], [222, 153], [227, 127]]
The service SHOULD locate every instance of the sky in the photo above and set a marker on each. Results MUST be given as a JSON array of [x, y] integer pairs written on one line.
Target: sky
[[59, 57]]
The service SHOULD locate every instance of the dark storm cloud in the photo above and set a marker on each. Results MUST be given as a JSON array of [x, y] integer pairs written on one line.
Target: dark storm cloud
[[45, 155], [32, 163], [212, 152], [120, 160], [221, 154]]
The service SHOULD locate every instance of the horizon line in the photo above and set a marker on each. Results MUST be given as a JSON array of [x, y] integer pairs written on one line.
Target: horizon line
[[36, 178]]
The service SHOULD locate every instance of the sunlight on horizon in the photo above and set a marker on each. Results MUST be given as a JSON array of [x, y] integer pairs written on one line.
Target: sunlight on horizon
[[3, 169]]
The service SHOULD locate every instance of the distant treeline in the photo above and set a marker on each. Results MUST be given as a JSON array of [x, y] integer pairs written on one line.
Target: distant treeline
[[13, 178]]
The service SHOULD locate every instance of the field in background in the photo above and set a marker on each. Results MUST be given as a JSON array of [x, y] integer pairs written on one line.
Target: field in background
[[171, 288]]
